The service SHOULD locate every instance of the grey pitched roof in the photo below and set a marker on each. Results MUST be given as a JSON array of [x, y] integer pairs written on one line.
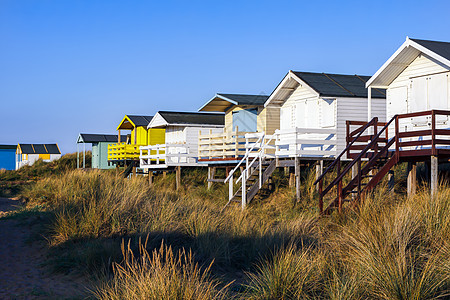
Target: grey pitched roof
[[337, 85], [246, 99], [96, 138], [440, 48], [8, 146], [140, 120], [173, 117], [39, 148]]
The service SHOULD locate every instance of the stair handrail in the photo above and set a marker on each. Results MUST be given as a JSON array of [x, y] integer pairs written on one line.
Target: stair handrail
[[258, 155], [353, 162], [247, 153], [331, 167]]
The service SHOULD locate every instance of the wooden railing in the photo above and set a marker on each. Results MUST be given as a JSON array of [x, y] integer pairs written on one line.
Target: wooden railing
[[361, 141], [311, 142], [228, 144], [123, 151], [164, 155], [423, 141], [382, 152]]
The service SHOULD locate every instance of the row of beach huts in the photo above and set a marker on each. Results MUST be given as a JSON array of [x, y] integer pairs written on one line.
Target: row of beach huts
[[355, 124]]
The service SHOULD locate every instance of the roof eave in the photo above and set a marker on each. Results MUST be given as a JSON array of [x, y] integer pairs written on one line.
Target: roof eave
[[220, 97], [407, 43]]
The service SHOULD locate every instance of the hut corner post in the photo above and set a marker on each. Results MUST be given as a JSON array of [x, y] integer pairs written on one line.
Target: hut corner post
[[78, 156], [319, 171]]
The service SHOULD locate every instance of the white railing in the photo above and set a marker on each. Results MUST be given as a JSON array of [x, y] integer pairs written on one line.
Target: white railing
[[256, 147], [305, 142], [164, 155]]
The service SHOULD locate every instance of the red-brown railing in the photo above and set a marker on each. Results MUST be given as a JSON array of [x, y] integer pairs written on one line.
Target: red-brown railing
[[379, 152]]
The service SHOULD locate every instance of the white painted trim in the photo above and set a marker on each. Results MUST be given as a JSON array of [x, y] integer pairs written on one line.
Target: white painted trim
[[289, 75], [220, 97], [407, 43]]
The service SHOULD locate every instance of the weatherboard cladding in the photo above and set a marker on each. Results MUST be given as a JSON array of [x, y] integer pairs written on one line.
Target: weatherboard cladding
[[39, 149], [337, 85], [440, 48], [97, 138], [193, 118], [246, 99], [140, 120]]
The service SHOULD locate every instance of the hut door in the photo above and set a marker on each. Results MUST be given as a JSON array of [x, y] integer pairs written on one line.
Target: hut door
[[245, 119], [438, 94], [397, 101], [419, 100]]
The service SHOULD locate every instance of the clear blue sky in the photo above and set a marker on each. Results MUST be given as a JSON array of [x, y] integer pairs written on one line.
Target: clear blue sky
[[79, 66]]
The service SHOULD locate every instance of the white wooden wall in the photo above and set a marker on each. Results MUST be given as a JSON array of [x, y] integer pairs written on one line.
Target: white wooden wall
[[355, 109], [187, 135], [423, 85], [292, 112]]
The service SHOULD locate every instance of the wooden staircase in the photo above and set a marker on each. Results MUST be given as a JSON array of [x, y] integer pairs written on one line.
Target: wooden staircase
[[258, 170], [373, 160]]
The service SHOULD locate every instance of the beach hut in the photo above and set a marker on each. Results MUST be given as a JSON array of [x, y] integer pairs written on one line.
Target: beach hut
[[126, 152], [314, 108], [313, 112], [243, 114], [28, 154], [7, 157], [182, 130], [417, 79], [99, 144]]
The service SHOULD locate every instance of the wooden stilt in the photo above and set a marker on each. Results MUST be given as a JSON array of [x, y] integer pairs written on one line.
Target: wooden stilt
[[297, 179], [434, 175], [391, 180], [319, 171], [150, 178], [291, 179], [164, 174], [412, 179], [211, 175], [178, 177], [286, 171]]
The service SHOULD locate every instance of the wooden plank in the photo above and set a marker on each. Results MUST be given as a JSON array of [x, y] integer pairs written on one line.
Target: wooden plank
[[415, 133]]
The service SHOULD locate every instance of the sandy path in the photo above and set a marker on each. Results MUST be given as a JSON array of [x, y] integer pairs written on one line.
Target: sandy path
[[21, 274]]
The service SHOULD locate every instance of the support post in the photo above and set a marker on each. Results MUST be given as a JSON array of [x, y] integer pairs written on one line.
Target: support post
[[84, 155], [391, 180], [434, 175], [78, 156], [291, 179], [230, 188], [164, 174], [178, 177], [244, 190], [319, 171], [150, 177], [297, 179], [412, 178], [211, 171], [369, 104]]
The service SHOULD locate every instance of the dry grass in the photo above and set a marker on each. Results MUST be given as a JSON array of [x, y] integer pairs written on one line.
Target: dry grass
[[392, 247], [162, 274]]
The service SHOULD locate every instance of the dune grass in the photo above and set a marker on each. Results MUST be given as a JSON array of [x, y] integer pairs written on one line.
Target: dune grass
[[390, 247]]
